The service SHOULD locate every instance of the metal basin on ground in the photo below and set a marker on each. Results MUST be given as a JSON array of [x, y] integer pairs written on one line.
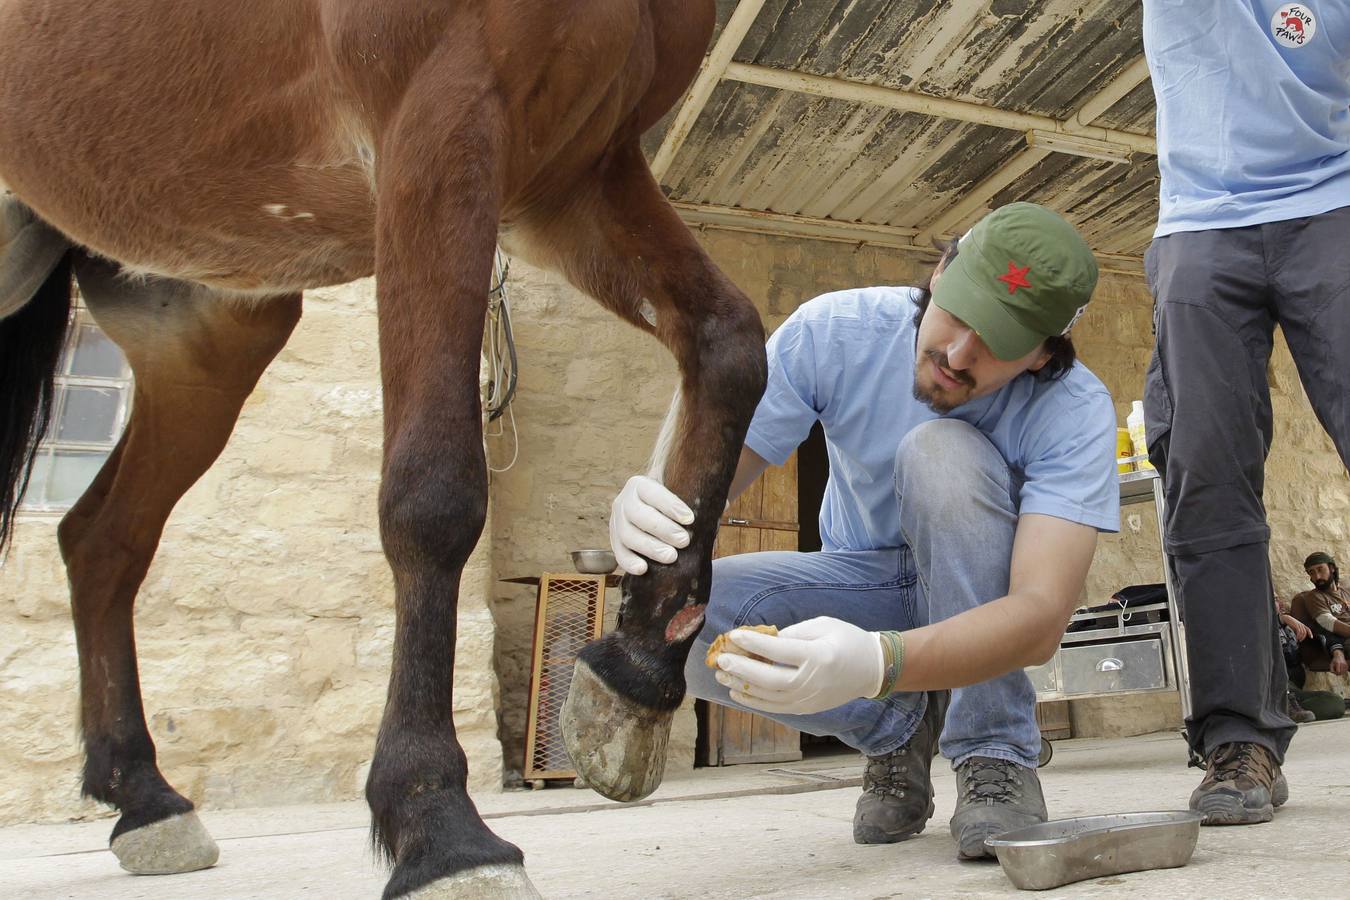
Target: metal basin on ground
[[1066, 850]]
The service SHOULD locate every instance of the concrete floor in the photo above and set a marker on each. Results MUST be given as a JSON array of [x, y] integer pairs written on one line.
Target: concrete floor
[[748, 831]]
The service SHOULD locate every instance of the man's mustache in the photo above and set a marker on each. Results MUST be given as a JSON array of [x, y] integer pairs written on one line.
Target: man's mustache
[[937, 356]]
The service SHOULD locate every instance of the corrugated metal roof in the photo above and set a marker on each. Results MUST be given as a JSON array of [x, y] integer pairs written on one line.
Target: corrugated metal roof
[[840, 160]]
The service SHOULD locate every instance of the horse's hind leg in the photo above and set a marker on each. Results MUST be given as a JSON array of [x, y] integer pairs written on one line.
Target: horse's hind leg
[[620, 240], [195, 359]]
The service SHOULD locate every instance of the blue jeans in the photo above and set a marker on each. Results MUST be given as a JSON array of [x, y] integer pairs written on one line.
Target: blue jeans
[[958, 514]]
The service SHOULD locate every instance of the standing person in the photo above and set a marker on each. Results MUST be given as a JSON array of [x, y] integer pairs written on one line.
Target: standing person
[[972, 463], [1253, 230]]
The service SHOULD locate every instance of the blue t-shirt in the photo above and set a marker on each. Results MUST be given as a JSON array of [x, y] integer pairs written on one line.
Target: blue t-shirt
[[847, 360], [1253, 110]]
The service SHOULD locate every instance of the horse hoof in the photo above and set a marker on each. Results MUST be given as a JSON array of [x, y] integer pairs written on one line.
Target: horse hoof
[[168, 847], [618, 747], [496, 882]]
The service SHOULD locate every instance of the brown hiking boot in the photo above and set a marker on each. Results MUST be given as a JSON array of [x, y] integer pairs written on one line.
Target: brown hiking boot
[[1242, 786], [897, 799]]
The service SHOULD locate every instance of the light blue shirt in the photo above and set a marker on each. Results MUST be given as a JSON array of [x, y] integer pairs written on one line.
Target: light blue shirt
[[1253, 110], [847, 360]]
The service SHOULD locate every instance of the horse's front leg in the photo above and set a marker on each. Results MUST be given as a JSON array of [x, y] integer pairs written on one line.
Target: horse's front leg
[[626, 686], [437, 200]]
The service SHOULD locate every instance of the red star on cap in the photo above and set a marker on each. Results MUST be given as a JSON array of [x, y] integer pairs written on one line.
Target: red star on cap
[[1016, 278]]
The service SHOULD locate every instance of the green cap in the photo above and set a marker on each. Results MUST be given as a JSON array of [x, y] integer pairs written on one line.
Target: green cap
[[1021, 275]]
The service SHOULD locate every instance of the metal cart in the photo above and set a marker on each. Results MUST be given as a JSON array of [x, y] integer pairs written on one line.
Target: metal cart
[[1123, 652]]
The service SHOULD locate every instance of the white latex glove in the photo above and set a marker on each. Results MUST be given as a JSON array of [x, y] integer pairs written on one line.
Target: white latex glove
[[645, 521], [821, 663]]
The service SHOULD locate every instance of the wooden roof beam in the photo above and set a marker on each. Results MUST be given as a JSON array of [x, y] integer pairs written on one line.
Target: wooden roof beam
[[731, 218], [911, 101], [709, 74]]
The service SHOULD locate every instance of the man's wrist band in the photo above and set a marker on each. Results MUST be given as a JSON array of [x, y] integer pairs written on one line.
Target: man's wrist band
[[893, 661]]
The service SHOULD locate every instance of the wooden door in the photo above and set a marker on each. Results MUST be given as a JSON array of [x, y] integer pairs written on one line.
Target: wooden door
[[764, 517]]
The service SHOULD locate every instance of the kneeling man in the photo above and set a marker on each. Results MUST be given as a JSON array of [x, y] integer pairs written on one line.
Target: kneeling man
[[972, 463]]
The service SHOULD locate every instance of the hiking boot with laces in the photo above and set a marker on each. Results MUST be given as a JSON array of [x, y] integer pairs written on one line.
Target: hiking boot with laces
[[897, 799], [993, 796], [1242, 786]]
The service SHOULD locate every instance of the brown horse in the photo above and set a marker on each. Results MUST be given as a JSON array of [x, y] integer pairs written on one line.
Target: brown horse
[[195, 166]]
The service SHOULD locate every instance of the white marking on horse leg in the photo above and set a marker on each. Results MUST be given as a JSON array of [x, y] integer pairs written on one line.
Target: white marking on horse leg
[[282, 211], [661, 452]]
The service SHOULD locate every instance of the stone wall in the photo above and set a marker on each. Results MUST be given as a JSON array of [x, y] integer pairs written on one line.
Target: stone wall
[[265, 624]]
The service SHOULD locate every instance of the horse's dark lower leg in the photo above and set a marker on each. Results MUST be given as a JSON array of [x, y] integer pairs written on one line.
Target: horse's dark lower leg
[[627, 685], [438, 201], [192, 377]]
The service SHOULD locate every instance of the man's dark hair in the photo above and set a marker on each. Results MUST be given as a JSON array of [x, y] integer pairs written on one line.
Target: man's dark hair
[[1320, 557], [1062, 354]]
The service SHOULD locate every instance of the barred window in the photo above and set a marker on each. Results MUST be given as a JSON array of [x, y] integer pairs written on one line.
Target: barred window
[[91, 401]]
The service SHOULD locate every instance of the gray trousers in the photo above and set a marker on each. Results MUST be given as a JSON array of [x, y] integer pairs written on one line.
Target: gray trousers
[[1218, 297]]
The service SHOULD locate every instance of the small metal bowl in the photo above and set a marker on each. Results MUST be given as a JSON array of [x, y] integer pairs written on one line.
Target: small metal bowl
[[1063, 851], [594, 562]]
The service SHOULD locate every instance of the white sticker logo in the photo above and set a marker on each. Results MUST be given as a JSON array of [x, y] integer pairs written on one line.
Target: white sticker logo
[[1293, 25]]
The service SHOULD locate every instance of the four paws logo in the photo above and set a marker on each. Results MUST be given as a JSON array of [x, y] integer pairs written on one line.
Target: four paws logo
[[1293, 25]]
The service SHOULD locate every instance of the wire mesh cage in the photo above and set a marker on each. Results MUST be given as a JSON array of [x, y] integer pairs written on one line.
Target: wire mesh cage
[[571, 613]]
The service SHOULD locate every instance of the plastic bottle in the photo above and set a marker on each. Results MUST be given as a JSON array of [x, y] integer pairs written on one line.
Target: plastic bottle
[[1135, 421], [1124, 450]]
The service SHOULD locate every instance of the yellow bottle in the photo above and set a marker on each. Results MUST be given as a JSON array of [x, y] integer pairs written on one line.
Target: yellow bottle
[[1124, 450], [1136, 422]]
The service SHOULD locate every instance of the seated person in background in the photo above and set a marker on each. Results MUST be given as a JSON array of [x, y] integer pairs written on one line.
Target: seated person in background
[[1297, 629], [1326, 608], [1291, 632], [1304, 706]]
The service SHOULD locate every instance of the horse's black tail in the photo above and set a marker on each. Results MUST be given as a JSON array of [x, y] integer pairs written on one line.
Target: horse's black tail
[[30, 350]]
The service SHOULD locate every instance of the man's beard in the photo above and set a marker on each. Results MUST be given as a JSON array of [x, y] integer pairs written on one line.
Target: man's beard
[[937, 398], [1322, 584]]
